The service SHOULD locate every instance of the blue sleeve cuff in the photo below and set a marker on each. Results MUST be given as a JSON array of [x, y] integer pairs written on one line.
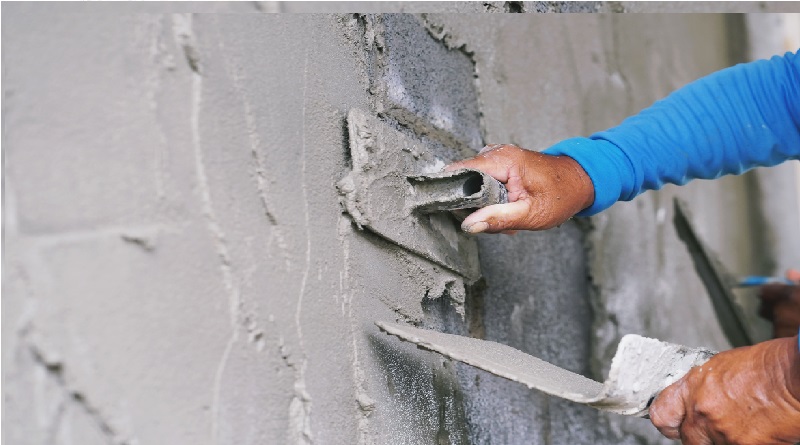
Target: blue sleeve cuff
[[608, 167]]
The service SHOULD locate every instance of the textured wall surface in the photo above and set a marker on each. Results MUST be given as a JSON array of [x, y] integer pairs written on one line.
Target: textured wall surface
[[178, 268]]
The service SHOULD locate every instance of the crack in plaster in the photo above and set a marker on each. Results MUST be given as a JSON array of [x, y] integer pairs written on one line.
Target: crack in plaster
[[160, 58], [255, 145], [182, 26], [139, 234], [184, 36], [220, 240], [55, 370], [146, 241], [262, 181], [300, 406], [55, 423], [142, 236], [364, 403], [216, 391]]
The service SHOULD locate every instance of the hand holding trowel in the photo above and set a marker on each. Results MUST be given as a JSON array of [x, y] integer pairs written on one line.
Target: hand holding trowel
[[641, 368], [731, 121], [726, 123]]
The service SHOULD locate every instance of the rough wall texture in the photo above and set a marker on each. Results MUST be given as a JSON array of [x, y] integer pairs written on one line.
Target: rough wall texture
[[178, 268]]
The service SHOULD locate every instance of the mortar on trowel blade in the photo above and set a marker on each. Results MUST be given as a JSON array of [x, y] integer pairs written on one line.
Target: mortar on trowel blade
[[641, 368], [459, 192]]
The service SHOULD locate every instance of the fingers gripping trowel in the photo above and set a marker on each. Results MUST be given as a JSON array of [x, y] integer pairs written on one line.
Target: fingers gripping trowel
[[640, 370]]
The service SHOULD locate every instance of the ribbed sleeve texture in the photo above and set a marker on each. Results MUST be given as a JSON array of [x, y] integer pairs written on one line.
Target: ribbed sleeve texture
[[725, 123]]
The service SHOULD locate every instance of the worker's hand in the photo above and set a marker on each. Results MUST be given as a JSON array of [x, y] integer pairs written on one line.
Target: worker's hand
[[543, 190], [744, 396], [780, 304]]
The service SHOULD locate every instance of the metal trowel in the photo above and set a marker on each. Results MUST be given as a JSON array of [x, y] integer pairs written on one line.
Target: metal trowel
[[640, 370], [716, 279]]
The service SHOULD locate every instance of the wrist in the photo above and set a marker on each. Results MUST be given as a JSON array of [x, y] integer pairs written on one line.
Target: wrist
[[583, 183]]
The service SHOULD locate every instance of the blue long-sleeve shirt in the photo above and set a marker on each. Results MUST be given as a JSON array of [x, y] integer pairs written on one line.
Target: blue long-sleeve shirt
[[725, 123]]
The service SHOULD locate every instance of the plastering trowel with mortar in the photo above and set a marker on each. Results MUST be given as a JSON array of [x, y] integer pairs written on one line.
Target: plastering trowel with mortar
[[641, 368], [396, 190]]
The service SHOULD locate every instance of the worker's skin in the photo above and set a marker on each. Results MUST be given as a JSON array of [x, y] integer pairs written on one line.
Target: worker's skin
[[780, 304], [743, 396]]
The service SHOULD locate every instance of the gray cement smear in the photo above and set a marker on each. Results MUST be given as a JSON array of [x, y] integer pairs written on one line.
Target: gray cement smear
[[640, 370], [178, 267], [391, 192]]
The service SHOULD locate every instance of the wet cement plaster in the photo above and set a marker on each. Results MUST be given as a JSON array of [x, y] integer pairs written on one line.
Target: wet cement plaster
[[641, 278], [179, 269]]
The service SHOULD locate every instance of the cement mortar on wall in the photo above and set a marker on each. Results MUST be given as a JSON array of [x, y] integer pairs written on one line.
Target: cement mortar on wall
[[178, 268]]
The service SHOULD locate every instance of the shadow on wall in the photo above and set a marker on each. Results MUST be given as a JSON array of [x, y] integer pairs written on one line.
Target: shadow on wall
[[424, 397]]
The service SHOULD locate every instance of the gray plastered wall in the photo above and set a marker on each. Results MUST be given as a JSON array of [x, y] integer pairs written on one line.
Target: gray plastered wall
[[178, 267]]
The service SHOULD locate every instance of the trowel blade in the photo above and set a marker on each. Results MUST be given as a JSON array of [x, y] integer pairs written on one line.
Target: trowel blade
[[641, 368], [715, 278]]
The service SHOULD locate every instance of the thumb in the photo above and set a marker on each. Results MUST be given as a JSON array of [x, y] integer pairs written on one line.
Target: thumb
[[668, 411], [793, 275], [497, 218]]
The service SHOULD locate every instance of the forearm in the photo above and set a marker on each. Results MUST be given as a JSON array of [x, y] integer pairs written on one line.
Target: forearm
[[725, 123]]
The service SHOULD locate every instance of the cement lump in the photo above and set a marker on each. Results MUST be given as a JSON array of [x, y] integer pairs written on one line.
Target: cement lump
[[379, 197], [640, 370]]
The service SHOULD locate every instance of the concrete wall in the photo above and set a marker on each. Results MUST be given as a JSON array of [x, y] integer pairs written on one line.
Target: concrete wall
[[178, 267]]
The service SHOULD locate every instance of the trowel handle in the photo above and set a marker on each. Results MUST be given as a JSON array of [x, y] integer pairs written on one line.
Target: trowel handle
[[455, 190], [754, 281]]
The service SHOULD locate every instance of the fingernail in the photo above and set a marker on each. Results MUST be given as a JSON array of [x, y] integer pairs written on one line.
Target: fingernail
[[477, 227], [489, 147]]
